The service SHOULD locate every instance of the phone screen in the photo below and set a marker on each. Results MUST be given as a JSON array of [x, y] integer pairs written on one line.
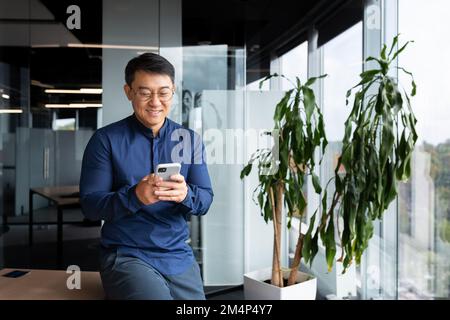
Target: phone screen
[[15, 274]]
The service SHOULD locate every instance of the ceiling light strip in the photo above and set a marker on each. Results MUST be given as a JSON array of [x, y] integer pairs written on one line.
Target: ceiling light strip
[[74, 105], [11, 111], [77, 91], [110, 46]]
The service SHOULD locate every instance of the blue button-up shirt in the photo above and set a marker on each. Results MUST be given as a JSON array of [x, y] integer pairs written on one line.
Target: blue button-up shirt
[[116, 158]]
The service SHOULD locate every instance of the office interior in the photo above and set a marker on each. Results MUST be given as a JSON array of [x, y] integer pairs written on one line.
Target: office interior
[[60, 81]]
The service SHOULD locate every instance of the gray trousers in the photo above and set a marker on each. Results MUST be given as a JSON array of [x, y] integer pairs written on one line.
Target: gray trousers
[[124, 278]]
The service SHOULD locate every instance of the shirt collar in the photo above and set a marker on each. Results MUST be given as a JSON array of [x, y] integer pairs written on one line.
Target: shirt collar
[[147, 131]]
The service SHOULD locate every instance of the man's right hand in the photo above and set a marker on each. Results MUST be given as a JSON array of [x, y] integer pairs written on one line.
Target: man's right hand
[[145, 190]]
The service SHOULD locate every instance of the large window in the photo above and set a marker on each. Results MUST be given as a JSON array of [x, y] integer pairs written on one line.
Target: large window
[[342, 62], [294, 63], [424, 202]]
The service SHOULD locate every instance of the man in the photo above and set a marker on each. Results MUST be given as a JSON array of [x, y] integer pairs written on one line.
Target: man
[[144, 254]]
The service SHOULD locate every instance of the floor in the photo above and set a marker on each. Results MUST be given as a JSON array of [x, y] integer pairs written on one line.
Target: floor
[[81, 244]]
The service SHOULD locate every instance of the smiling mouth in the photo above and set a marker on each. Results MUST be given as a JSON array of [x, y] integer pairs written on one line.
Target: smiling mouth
[[154, 112]]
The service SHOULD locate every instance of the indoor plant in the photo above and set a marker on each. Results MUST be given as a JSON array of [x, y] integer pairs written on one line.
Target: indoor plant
[[298, 132], [376, 153]]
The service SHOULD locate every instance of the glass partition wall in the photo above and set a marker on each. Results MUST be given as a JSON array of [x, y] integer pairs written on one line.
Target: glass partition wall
[[51, 57], [61, 78], [213, 106]]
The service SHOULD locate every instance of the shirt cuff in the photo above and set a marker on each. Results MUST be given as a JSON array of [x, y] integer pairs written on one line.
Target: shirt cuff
[[188, 202], [134, 204]]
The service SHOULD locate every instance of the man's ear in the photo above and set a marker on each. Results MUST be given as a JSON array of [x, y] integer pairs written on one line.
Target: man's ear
[[127, 90]]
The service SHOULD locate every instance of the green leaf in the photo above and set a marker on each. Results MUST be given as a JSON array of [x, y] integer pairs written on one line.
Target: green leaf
[[298, 136], [391, 184], [322, 134], [413, 83], [313, 79], [373, 59], [411, 127], [267, 78], [414, 87], [384, 65], [387, 140], [383, 52], [306, 249], [309, 101], [314, 247], [316, 183], [246, 171], [349, 93], [282, 106], [301, 202], [330, 244], [261, 199], [400, 50], [368, 75], [267, 211], [293, 197], [394, 43], [324, 201]]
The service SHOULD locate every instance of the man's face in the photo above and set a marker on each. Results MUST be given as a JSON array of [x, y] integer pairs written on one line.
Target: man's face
[[151, 97]]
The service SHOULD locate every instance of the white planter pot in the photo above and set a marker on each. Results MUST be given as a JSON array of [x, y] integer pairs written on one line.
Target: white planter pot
[[256, 289]]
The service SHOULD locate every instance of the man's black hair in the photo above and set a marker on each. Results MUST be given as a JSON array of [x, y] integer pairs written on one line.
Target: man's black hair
[[151, 63]]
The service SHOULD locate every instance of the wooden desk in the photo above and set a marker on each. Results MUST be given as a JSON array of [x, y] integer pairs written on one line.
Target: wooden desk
[[49, 285], [63, 197]]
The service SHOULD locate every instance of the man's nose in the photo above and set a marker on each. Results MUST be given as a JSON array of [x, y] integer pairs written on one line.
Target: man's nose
[[154, 99]]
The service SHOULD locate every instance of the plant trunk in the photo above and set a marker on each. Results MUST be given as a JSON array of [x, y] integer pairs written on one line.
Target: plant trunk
[[297, 258], [276, 280], [277, 275], [279, 210]]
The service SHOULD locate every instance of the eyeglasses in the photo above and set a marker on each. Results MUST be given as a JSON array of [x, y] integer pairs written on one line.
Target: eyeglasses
[[144, 95]]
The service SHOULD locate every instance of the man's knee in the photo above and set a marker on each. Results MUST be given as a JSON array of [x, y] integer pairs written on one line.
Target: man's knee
[[133, 279], [188, 285]]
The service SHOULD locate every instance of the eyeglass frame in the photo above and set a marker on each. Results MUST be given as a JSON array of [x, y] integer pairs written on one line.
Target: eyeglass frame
[[137, 94]]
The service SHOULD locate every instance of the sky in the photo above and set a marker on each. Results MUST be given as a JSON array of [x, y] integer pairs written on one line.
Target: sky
[[428, 58]]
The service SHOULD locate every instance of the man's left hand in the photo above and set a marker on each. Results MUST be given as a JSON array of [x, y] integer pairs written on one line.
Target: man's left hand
[[174, 190]]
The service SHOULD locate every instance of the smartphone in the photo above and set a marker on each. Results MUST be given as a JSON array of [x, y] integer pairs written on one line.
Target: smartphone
[[166, 170], [15, 273]]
